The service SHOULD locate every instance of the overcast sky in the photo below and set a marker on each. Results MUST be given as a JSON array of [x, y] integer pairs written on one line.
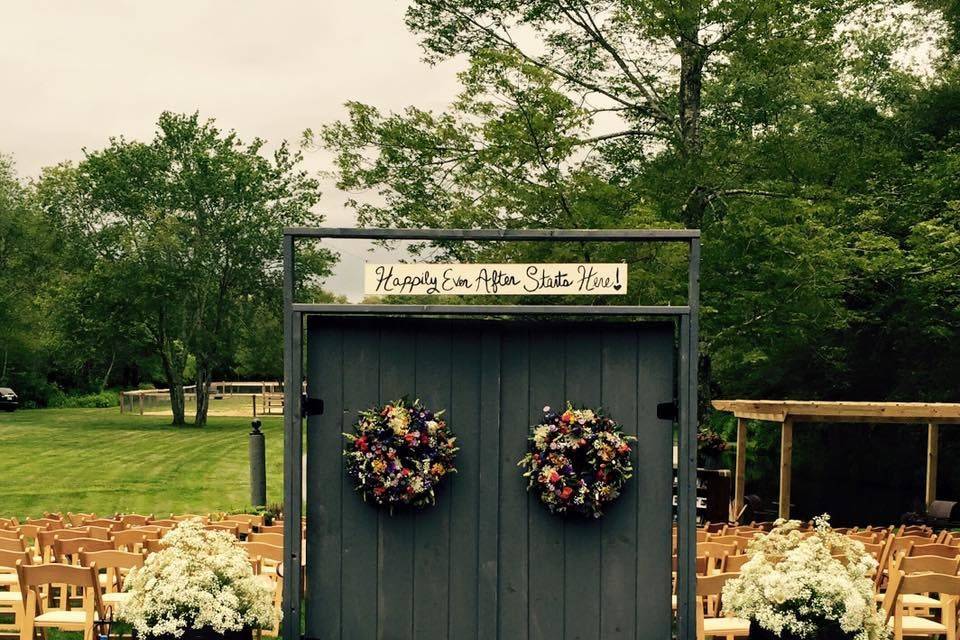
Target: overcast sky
[[75, 73]]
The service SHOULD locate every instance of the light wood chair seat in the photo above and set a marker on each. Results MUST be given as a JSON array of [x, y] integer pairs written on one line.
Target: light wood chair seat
[[917, 626], [59, 617], [114, 599], [912, 600], [726, 627], [10, 597], [8, 578]]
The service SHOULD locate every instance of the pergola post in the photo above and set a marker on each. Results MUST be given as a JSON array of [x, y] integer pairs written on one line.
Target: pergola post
[[933, 453], [740, 475], [786, 463]]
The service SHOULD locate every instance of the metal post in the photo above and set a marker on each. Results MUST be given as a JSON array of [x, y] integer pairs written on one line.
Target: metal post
[[687, 463], [292, 450], [258, 466]]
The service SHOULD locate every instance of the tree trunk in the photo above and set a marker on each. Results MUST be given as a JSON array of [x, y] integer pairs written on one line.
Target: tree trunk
[[178, 403], [106, 376], [203, 394], [693, 57], [173, 371]]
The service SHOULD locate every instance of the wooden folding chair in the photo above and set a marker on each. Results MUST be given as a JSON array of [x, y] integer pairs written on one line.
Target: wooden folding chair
[[231, 528], [270, 557], [942, 550], [947, 587], [135, 520], [131, 540], [709, 590], [45, 523], [163, 524], [14, 544], [45, 540], [271, 528], [105, 523], [718, 553], [735, 563], [740, 542], [80, 519], [11, 600], [116, 566], [269, 538], [36, 616], [68, 552], [190, 516], [152, 546]]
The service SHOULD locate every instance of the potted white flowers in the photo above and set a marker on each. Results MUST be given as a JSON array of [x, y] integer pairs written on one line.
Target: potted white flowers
[[201, 585], [809, 587]]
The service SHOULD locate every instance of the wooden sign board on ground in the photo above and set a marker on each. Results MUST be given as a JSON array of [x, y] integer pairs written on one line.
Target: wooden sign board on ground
[[495, 279]]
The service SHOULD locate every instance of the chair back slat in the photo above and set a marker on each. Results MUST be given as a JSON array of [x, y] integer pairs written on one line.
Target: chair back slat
[[943, 550], [269, 538], [930, 564]]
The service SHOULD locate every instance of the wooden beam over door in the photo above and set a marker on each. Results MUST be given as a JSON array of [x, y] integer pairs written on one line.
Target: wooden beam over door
[[786, 465]]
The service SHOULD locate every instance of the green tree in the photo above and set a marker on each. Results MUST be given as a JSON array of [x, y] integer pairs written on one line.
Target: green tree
[[26, 256], [181, 233], [761, 123]]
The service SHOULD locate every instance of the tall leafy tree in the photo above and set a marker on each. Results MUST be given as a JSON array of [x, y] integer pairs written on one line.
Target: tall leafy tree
[[757, 121], [186, 230]]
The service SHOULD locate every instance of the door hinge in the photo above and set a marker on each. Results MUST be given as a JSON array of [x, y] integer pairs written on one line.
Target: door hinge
[[668, 410], [311, 406]]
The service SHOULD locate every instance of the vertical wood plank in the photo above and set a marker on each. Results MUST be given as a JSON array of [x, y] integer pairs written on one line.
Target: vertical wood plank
[[582, 537], [463, 492], [933, 455], [740, 475], [360, 520], [618, 576], [324, 480], [513, 559], [546, 530], [786, 465], [395, 580], [488, 509], [653, 481], [431, 526]]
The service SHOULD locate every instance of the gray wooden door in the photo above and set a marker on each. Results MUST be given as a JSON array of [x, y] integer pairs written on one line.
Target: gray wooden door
[[489, 561]]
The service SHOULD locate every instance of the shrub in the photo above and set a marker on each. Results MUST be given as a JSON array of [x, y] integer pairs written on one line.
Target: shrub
[[101, 400], [200, 580]]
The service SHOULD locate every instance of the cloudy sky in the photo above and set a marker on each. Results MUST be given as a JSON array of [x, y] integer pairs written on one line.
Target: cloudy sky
[[75, 73]]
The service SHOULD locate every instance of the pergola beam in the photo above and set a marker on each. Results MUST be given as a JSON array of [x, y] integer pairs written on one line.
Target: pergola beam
[[789, 412], [786, 466], [933, 454]]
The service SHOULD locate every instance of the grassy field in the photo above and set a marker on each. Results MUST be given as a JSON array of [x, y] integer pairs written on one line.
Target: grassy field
[[99, 460]]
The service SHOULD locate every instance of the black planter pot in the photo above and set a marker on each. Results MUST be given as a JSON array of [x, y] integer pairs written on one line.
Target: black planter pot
[[208, 634], [832, 631]]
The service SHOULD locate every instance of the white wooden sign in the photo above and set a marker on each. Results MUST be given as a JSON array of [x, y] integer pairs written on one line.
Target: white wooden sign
[[495, 279]]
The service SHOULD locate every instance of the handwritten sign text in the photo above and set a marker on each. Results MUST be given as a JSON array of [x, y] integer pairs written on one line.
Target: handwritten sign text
[[495, 279]]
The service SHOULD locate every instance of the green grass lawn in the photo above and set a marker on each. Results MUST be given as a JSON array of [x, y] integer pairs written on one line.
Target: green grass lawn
[[101, 461]]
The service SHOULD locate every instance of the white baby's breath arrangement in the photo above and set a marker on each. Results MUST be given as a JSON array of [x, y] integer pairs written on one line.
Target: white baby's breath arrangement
[[201, 580], [796, 585]]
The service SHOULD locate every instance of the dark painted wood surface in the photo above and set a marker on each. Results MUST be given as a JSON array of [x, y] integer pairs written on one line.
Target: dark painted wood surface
[[488, 561]]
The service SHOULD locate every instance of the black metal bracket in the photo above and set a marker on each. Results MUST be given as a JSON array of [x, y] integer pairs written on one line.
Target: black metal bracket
[[311, 406], [668, 410]]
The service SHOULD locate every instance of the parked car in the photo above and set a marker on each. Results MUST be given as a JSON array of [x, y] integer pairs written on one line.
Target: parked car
[[8, 399]]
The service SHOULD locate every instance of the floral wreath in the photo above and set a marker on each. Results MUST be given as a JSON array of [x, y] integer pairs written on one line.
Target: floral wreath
[[398, 454], [578, 461]]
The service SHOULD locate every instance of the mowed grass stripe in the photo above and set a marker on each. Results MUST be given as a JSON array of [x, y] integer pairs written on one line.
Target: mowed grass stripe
[[99, 460]]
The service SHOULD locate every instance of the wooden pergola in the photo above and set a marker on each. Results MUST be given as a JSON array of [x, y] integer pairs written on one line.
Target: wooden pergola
[[790, 412]]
